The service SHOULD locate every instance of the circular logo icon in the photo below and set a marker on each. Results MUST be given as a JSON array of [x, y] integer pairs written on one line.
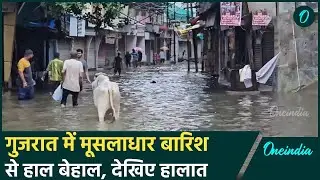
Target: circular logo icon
[[303, 16]]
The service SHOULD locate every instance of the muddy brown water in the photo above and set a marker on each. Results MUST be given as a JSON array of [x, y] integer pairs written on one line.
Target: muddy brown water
[[177, 101]]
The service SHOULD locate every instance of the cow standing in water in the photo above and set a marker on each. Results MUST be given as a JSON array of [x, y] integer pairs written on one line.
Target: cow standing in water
[[106, 95]]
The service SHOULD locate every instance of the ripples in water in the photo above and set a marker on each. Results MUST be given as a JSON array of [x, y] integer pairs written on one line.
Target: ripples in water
[[177, 101]]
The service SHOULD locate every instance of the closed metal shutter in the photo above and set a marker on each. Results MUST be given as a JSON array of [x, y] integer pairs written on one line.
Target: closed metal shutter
[[267, 47], [64, 48], [257, 54], [121, 45], [79, 43], [106, 54], [268, 51]]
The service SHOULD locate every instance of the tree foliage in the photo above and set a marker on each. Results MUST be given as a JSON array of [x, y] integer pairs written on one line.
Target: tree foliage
[[99, 14]]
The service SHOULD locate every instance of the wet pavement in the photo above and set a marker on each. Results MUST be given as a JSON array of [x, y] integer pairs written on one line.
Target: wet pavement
[[177, 101]]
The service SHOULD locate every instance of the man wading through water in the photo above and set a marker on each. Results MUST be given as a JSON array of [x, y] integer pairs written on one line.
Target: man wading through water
[[72, 77], [128, 59], [135, 57], [55, 72], [25, 81], [117, 64], [85, 66]]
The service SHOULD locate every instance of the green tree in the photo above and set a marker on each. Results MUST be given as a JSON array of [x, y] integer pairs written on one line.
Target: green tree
[[99, 14]]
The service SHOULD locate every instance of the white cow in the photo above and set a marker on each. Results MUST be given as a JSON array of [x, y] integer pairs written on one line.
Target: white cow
[[106, 95]]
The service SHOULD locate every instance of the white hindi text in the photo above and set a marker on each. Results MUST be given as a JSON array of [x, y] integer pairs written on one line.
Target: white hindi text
[[127, 168]]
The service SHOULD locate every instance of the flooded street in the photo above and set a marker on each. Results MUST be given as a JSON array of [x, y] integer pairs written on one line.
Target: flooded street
[[177, 101]]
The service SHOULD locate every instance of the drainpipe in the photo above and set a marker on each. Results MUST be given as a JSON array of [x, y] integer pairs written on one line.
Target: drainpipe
[[125, 43], [117, 44], [296, 54]]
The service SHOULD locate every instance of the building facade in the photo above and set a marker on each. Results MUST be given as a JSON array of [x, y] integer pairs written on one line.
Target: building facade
[[225, 46]]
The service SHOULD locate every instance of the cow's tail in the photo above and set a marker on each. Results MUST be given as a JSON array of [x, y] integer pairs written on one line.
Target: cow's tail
[[111, 103]]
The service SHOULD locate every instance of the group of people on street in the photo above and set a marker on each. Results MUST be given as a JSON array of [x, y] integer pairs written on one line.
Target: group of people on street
[[161, 57], [135, 56], [135, 59], [69, 74]]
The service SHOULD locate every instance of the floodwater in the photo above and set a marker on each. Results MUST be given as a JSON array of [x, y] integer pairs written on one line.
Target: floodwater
[[177, 101]]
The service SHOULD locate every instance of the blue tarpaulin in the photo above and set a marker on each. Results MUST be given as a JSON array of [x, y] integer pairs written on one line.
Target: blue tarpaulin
[[51, 24]]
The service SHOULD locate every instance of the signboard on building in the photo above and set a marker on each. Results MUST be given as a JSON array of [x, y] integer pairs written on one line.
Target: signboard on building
[[230, 13], [112, 35], [103, 26], [140, 32], [77, 27], [110, 40], [261, 18]]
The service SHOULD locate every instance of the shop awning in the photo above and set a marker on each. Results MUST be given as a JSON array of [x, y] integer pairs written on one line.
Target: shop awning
[[185, 31]]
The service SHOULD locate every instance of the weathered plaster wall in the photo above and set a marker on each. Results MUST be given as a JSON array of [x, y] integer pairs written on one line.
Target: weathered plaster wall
[[297, 65]]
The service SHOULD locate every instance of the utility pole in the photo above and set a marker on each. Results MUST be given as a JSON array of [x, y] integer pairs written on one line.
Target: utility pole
[[168, 19], [174, 34], [188, 42], [195, 44]]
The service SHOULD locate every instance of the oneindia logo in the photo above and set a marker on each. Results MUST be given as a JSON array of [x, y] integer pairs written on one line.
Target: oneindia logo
[[274, 111]]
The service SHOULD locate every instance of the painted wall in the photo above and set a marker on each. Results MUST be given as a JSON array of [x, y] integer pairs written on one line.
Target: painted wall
[[269, 6], [183, 46], [149, 51], [143, 17], [298, 61], [177, 49], [9, 24], [122, 45], [131, 42], [141, 43]]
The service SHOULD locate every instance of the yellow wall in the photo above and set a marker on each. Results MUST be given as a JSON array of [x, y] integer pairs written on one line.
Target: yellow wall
[[9, 23]]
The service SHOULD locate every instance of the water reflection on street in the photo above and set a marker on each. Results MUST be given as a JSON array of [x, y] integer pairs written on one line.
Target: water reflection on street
[[177, 101]]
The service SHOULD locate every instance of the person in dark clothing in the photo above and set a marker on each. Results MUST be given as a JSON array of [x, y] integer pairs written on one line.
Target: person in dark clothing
[[128, 59], [168, 55], [183, 53], [117, 64], [139, 58]]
